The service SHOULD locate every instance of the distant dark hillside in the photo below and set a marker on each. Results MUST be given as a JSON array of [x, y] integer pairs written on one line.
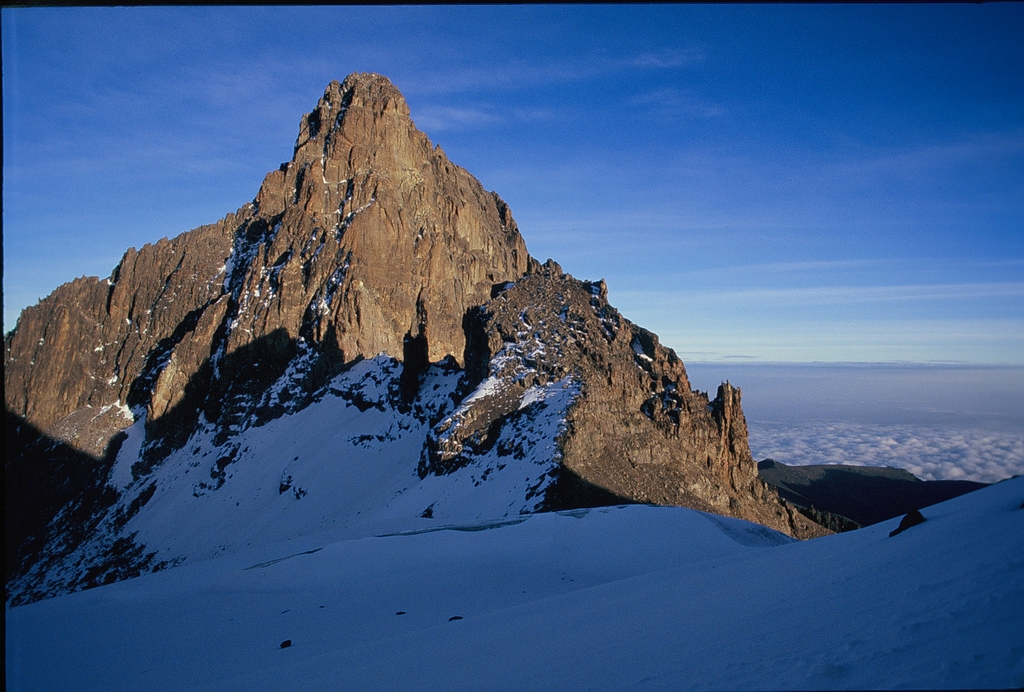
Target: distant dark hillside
[[864, 494]]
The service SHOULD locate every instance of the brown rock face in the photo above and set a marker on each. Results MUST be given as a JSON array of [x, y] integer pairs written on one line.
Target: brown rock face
[[369, 237], [373, 234], [87, 344]]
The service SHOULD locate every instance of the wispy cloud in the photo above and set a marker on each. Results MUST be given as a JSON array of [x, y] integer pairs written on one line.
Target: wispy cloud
[[874, 294], [832, 295], [818, 265], [919, 162], [932, 263], [670, 57], [439, 118], [827, 334], [672, 103], [443, 118], [517, 74]]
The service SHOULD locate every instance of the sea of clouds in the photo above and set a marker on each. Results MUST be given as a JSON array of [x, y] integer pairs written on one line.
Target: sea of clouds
[[928, 452], [938, 422]]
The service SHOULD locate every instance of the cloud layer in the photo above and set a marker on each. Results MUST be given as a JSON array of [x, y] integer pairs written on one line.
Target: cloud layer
[[930, 453]]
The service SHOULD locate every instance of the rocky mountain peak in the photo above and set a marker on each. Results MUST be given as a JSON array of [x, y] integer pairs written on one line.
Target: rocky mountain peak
[[417, 238], [369, 238], [375, 283]]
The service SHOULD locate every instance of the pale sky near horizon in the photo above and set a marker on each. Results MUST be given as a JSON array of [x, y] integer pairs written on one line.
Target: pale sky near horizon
[[755, 183]]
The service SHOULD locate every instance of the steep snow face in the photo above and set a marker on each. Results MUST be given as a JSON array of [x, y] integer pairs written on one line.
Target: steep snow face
[[632, 597], [348, 462]]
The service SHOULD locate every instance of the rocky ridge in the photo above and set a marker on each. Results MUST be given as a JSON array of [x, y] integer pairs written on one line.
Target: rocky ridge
[[370, 241]]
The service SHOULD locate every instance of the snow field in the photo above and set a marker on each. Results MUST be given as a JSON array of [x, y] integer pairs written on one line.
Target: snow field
[[348, 461], [632, 597]]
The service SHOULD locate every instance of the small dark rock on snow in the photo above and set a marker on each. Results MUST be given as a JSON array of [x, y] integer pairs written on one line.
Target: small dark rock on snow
[[911, 519]]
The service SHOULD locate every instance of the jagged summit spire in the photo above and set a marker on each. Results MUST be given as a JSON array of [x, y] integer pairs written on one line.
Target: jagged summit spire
[[355, 109], [416, 238]]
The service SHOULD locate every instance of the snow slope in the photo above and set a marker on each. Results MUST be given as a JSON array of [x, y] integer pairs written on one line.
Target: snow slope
[[632, 597], [346, 462]]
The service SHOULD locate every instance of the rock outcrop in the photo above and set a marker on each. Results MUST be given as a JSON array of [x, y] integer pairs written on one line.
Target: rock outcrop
[[637, 430], [369, 241]]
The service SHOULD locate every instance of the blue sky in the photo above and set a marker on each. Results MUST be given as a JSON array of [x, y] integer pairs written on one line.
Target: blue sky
[[755, 183]]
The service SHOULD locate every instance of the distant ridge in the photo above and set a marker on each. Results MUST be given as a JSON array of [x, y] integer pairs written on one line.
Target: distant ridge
[[864, 494]]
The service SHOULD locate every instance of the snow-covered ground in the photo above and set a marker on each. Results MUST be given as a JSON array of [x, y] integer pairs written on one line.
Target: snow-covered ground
[[632, 597]]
